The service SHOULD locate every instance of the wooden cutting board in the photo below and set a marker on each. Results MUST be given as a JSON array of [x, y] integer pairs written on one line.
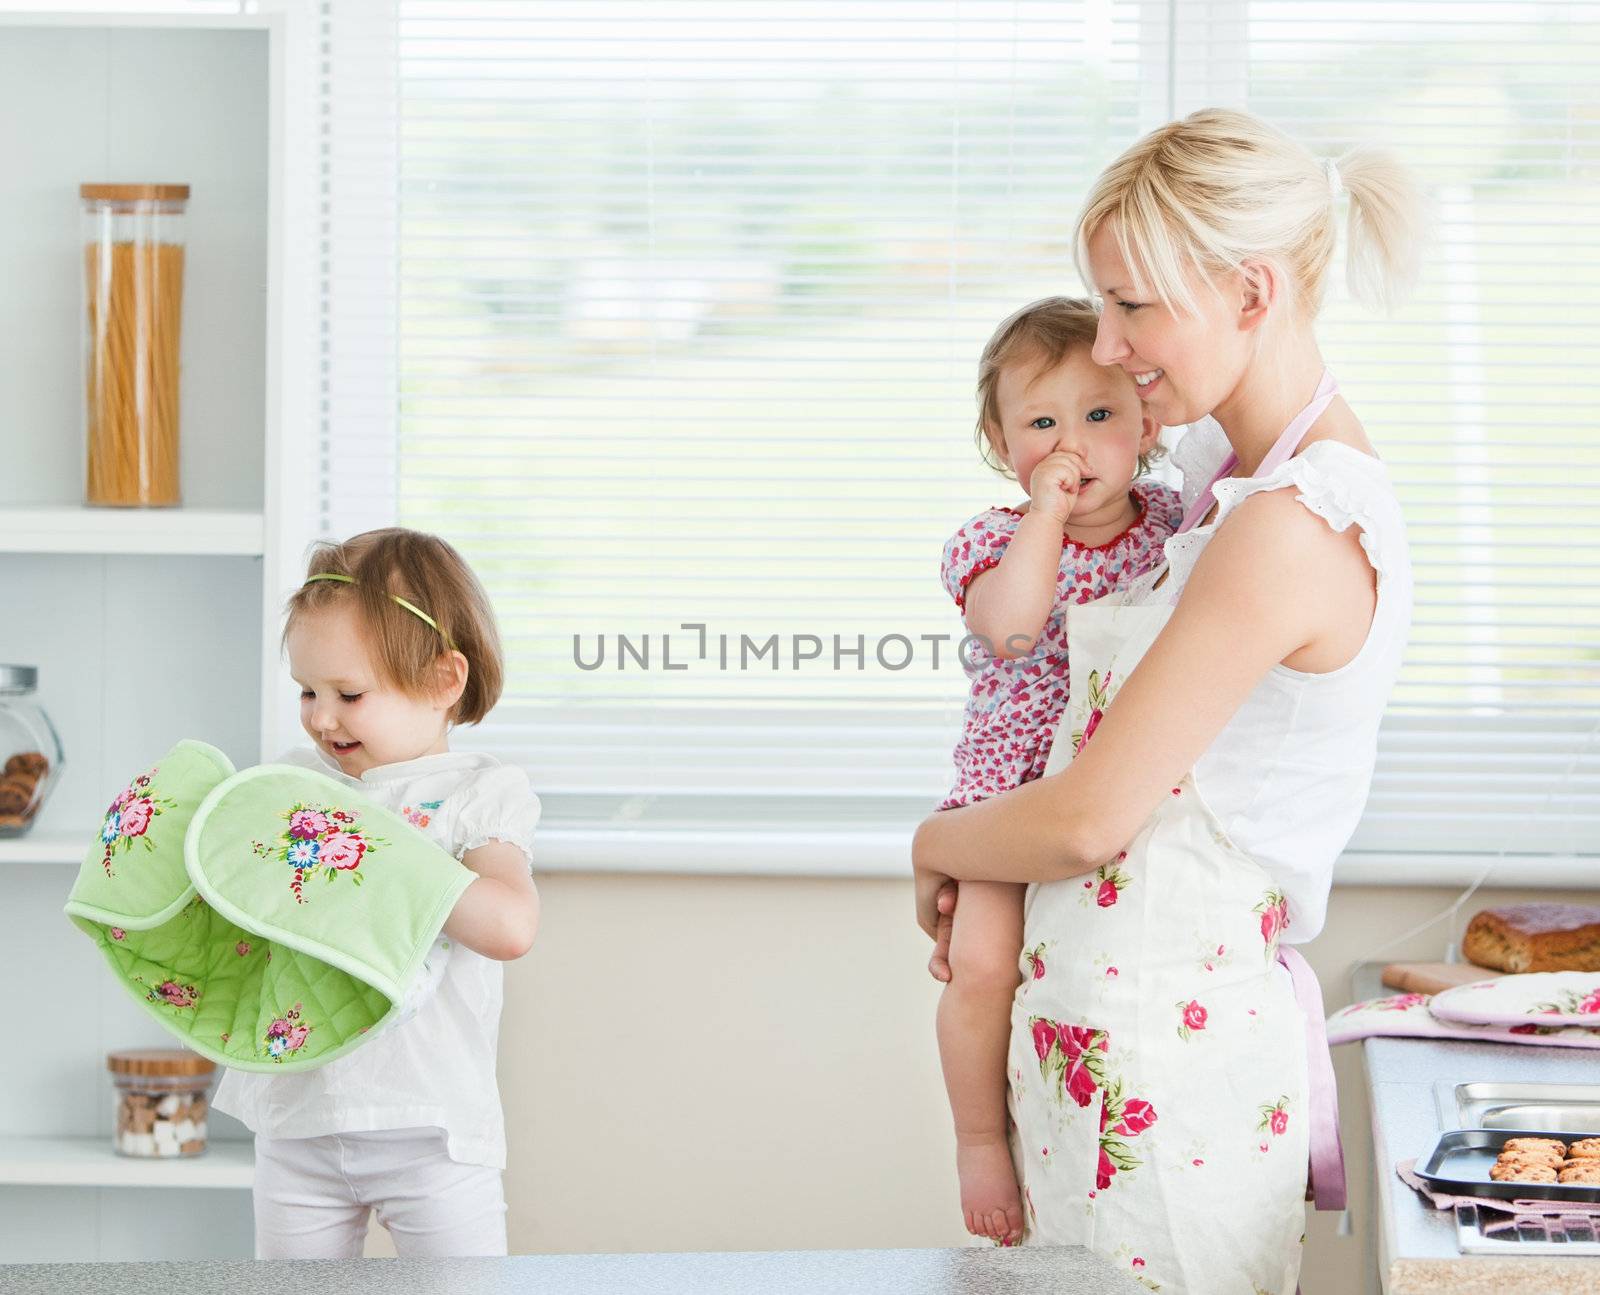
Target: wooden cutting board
[[1434, 977]]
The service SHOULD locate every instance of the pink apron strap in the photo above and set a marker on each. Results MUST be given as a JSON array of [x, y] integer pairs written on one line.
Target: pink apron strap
[[1277, 456], [1327, 1153]]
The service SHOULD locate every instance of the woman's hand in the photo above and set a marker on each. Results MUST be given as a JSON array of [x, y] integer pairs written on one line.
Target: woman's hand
[[926, 871], [929, 886], [945, 901], [935, 893]]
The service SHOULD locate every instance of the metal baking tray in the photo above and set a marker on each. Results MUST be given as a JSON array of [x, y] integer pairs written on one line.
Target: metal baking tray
[[1460, 1159], [1571, 1108]]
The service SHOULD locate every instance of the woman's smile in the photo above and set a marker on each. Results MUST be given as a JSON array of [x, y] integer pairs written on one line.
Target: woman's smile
[[1146, 382]]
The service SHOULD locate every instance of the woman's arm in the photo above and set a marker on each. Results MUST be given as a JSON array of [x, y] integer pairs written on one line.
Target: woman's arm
[[1274, 580], [498, 914]]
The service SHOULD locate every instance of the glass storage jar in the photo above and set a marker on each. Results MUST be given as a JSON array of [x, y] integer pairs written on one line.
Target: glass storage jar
[[30, 751], [160, 1101], [133, 303]]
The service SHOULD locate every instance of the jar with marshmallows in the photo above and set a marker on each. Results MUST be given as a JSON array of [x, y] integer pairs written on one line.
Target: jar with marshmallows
[[160, 1101]]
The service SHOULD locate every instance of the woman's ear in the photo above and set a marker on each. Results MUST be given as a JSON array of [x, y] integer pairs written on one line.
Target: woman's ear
[[1149, 435], [1259, 289], [451, 681]]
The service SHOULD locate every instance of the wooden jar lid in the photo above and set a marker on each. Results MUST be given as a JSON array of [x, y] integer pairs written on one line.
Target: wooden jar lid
[[158, 1061], [134, 192]]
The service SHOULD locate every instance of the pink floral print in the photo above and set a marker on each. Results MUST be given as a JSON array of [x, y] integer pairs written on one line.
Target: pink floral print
[[342, 850], [1121, 1120], [173, 994], [127, 819], [1399, 1002], [1098, 693], [308, 824], [1192, 1017], [1071, 1058], [1274, 912], [319, 838], [1572, 1002], [422, 814], [1108, 882], [286, 1035], [1274, 1119]]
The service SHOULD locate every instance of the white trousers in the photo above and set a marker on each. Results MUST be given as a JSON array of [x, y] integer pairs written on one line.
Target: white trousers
[[312, 1197]]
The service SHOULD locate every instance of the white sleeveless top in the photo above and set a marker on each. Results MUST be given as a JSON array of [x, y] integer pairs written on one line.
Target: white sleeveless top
[[1289, 775]]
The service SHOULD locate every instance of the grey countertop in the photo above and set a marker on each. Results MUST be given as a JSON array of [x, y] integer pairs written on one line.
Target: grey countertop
[[1417, 1250], [1042, 1270]]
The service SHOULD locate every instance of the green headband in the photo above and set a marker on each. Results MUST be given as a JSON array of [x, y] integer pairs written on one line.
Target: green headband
[[410, 607]]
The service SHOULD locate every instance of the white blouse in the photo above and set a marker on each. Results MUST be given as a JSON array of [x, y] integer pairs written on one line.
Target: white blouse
[[1289, 775], [434, 1067]]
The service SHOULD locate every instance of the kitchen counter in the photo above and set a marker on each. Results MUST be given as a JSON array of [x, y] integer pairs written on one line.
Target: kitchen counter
[[1043, 1270], [1417, 1250]]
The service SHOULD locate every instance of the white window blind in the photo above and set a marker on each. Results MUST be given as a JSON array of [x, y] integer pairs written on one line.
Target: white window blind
[[669, 313], [1480, 393]]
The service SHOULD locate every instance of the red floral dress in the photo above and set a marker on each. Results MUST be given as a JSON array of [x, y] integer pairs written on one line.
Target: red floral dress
[[1014, 706]]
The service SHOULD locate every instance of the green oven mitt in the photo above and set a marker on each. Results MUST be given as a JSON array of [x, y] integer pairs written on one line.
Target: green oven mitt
[[272, 919]]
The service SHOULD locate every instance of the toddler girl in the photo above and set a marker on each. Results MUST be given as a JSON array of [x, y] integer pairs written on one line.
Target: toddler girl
[[393, 642], [1076, 435]]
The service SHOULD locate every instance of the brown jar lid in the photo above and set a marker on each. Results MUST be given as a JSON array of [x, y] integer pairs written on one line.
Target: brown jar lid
[[134, 192], [158, 1061]]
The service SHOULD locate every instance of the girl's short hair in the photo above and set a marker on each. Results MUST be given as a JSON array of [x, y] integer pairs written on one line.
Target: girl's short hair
[[425, 570], [1220, 188], [1043, 333]]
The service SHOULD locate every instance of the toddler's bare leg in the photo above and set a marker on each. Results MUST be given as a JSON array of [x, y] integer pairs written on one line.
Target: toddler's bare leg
[[974, 1033]]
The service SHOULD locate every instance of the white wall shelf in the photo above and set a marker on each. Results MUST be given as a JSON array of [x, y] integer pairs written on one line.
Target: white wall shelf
[[90, 1162], [44, 847], [68, 528], [147, 625]]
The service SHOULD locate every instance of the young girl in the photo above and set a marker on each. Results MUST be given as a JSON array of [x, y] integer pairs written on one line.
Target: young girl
[[393, 643], [1167, 1086], [1074, 432]]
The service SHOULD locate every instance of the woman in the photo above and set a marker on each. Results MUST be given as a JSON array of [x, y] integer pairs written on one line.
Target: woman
[[1159, 1079]]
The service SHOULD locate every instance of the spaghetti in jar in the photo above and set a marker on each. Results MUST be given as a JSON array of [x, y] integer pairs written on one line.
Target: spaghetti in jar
[[133, 295]]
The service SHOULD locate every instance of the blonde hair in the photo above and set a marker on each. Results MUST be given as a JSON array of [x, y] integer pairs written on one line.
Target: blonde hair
[[405, 649], [1220, 188], [1044, 332]]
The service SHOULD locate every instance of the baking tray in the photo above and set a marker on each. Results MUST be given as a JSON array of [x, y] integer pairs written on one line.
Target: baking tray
[[1573, 1107], [1460, 1159]]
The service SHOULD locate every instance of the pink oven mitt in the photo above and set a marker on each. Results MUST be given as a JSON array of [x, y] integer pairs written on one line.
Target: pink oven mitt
[[1408, 1016], [1535, 997]]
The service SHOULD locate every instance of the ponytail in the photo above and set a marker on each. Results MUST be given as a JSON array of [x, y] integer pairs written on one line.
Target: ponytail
[[1384, 235]]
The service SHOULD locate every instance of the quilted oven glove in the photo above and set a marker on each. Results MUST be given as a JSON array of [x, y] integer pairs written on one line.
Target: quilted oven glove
[[273, 919]]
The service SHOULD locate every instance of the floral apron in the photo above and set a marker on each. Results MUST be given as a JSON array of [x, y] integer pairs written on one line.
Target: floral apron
[[1159, 1078]]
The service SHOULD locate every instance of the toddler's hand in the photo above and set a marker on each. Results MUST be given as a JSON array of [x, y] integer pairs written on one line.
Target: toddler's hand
[[1055, 483]]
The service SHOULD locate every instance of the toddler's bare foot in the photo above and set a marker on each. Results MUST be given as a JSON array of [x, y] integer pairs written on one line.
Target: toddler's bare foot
[[989, 1197]]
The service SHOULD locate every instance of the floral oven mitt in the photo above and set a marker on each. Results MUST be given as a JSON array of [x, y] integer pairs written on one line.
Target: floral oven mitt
[[271, 918]]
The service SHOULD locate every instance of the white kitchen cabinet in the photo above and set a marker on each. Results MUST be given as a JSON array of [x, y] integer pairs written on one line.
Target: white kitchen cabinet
[[146, 625]]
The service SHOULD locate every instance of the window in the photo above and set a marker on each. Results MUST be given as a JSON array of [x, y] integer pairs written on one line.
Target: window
[[669, 315]]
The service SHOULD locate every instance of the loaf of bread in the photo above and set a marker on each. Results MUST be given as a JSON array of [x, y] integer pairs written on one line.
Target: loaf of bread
[[1535, 937]]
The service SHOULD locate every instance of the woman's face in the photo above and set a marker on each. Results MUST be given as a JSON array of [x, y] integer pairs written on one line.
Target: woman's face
[[1183, 366]]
